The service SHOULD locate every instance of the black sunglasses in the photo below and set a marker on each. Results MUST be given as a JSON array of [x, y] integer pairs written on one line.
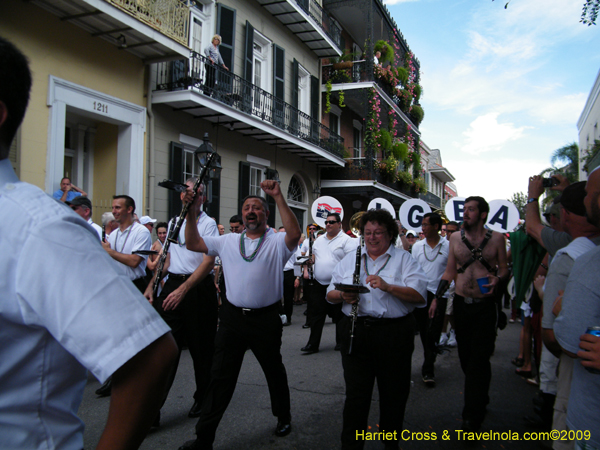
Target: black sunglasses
[[331, 222]]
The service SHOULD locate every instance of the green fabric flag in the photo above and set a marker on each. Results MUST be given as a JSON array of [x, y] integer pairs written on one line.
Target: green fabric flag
[[527, 255]]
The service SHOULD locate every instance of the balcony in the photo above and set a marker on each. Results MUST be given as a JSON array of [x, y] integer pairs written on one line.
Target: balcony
[[358, 76], [359, 175], [309, 22], [432, 199], [229, 100], [151, 30]]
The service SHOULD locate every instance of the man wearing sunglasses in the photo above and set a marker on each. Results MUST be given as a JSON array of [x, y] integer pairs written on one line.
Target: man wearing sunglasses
[[329, 249]]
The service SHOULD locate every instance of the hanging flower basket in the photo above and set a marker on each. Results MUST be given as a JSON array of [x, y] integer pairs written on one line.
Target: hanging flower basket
[[342, 65]]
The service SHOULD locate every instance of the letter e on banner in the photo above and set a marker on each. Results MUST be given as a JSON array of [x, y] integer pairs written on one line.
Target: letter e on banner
[[454, 209], [503, 216], [411, 213]]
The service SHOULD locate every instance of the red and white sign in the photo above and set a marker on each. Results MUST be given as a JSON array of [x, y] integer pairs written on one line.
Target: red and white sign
[[323, 206]]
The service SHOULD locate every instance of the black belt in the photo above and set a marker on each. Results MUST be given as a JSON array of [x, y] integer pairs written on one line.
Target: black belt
[[471, 300], [179, 277], [254, 311], [369, 321]]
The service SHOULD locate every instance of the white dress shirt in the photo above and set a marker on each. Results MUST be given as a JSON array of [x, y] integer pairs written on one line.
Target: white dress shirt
[[98, 228], [135, 237], [53, 328], [184, 261], [328, 252], [433, 261], [401, 270]]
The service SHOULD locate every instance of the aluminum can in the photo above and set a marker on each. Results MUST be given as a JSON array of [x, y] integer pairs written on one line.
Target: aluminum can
[[594, 331]]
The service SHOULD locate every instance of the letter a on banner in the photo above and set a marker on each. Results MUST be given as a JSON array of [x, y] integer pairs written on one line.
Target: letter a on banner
[[411, 213], [503, 216]]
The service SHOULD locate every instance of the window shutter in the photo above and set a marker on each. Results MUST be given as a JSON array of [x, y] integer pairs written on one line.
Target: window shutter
[[249, 52], [175, 175], [295, 83], [271, 175], [214, 202], [315, 95], [226, 28], [244, 184], [278, 86]]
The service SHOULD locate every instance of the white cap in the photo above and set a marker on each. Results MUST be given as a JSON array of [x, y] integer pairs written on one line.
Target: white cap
[[146, 219], [411, 232]]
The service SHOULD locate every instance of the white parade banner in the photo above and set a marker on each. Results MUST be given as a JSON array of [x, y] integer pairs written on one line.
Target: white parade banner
[[454, 209], [503, 216], [382, 203], [323, 206], [411, 213]]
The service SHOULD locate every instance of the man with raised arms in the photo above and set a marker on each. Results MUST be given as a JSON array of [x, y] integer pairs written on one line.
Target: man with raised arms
[[475, 253], [249, 317]]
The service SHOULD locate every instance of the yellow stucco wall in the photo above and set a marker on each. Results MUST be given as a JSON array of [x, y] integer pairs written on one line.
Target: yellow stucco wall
[[105, 169], [68, 52]]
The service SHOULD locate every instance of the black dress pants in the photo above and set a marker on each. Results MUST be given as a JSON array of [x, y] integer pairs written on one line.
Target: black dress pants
[[430, 331], [260, 332], [193, 322], [288, 294], [476, 339], [318, 311], [382, 350]]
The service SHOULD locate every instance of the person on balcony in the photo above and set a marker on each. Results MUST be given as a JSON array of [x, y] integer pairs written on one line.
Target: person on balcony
[[214, 56]]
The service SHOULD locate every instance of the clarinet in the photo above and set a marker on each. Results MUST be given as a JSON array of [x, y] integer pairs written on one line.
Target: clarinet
[[174, 232], [103, 233], [356, 282]]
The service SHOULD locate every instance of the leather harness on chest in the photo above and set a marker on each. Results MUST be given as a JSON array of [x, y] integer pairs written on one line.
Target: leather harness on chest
[[476, 253]]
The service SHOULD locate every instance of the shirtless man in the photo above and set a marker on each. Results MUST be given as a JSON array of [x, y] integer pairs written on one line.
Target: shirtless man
[[475, 313]]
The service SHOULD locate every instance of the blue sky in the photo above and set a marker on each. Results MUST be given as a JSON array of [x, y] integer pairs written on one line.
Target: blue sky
[[503, 88]]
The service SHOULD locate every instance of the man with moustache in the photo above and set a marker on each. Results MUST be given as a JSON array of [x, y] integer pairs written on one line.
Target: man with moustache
[[384, 332], [475, 253], [249, 318], [188, 300]]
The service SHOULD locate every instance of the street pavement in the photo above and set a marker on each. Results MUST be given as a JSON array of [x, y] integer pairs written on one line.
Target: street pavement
[[317, 397]]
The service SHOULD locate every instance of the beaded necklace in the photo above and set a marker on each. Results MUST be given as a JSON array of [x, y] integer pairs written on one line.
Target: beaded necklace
[[124, 243], [255, 253], [382, 267], [425, 253]]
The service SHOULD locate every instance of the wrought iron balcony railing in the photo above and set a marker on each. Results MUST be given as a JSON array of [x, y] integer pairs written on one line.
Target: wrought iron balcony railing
[[170, 17], [360, 170], [200, 74], [319, 15], [432, 199]]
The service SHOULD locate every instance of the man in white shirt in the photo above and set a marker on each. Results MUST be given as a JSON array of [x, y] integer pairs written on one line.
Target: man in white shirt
[[83, 206], [249, 318], [131, 236], [328, 249], [52, 331], [432, 255], [381, 344], [188, 300], [288, 287]]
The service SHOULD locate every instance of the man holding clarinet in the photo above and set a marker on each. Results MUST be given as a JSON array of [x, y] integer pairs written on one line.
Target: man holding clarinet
[[384, 331]]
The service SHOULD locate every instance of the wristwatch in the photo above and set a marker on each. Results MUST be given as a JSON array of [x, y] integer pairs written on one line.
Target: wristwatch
[[531, 200]]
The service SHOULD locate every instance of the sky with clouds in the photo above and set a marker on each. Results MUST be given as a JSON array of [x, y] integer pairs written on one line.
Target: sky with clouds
[[503, 88]]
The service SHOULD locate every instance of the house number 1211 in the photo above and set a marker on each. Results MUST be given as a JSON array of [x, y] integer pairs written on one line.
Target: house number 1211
[[102, 107]]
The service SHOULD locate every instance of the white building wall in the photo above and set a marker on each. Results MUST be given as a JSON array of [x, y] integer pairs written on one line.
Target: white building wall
[[588, 123]]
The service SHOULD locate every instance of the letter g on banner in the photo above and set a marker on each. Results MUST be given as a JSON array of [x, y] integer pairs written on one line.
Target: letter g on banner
[[411, 213]]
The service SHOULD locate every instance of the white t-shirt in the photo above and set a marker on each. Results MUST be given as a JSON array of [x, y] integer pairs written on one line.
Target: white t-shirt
[[401, 270], [328, 252], [433, 261], [52, 329], [184, 261], [135, 237], [253, 284]]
